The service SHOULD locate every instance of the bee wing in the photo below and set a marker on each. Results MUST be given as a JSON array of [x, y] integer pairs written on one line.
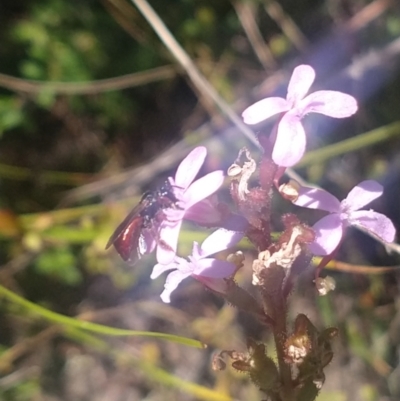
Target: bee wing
[[127, 244], [127, 236]]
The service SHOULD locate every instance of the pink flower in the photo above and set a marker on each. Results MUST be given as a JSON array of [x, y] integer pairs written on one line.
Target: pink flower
[[330, 230], [189, 193], [209, 271], [290, 142]]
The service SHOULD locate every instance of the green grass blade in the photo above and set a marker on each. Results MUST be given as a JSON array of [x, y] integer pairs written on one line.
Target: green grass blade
[[350, 145], [93, 327]]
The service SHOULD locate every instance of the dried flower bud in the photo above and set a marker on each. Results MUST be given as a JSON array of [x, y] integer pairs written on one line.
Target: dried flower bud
[[236, 258], [242, 173], [299, 344], [283, 257], [241, 366], [319, 355], [325, 285], [217, 363], [290, 190], [234, 170], [297, 348]]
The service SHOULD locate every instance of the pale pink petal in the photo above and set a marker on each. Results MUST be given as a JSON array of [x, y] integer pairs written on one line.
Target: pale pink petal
[[290, 141], [159, 269], [203, 187], [171, 283], [264, 109], [328, 234], [196, 251], [220, 240], [362, 194], [376, 224], [189, 167], [213, 268], [172, 215], [330, 103], [204, 213], [302, 78], [317, 198], [168, 242], [235, 222]]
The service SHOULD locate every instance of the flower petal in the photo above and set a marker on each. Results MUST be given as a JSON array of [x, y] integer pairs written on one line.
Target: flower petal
[[203, 187], [196, 251], [330, 103], [235, 222], [171, 283], [375, 224], [204, 212], [290, 141], [302, 78], [220, 240], [159, 269], [317, 198], [362, 194], [328, 234], [189, 167], [214, 268], [168, 241], [264, 109]]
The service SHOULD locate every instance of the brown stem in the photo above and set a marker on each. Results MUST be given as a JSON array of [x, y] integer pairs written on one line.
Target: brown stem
[[325, 260], [278, 175], [280, 336]]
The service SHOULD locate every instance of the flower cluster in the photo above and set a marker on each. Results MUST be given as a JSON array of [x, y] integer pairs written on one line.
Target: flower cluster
[[288, 146], [193, 205], [155, 223], [191, 200]]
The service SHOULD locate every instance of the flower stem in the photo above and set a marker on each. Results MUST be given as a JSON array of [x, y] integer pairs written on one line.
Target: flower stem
[[280, 335]]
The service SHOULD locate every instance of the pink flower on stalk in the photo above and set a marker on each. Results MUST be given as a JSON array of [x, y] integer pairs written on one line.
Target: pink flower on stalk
[[290, 142], [191, 196], [209, 271], [330, 230]]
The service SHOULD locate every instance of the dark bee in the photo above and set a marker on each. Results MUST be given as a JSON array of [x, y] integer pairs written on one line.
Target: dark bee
[[144, 219]]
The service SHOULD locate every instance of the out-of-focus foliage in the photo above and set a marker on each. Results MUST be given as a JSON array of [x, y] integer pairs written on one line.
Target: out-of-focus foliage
[[55, 138], [59, 264]]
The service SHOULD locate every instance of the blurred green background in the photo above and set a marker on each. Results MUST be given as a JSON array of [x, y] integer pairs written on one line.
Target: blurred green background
[[95, 109]]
